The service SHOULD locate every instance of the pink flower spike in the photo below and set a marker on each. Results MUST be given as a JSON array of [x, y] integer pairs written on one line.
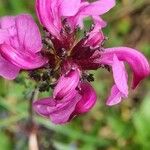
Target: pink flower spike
[[135, 59], [87, 100], [66, 83], [115, 96]]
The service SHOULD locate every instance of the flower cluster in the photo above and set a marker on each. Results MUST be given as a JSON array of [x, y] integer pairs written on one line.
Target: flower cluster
[[62, 59]]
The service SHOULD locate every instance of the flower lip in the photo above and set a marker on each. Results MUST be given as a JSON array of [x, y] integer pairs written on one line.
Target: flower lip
[[21, 45], [58, 111], [135, 59], [23, 60], [87, 100], [66, 83]]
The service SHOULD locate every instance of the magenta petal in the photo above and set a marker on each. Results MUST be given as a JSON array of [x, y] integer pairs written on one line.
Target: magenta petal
[[43, 106], [46, 14], [22, 59], [64, 113], [8, 70], [7, 22], [87, 100], [3, 36], [66, 84], [135, 59], [98, 8], [115, 96], [69, 8], [120, 75], [28, 33], [59, 111]]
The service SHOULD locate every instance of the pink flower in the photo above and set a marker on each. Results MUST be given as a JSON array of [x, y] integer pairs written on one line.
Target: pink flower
[[66, 57], [114, 57], [67, 100], [20, 45], [51, 12], [73, 95]]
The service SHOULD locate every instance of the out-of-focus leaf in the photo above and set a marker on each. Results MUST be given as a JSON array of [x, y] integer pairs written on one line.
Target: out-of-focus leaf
[[62, 146], [6, 142], [124, 26], [142, 123], [73, 134], [3, 88]]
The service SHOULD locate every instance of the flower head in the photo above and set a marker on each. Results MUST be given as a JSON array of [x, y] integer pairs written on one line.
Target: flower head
[[74, 56], [67, 56], [20, 45]]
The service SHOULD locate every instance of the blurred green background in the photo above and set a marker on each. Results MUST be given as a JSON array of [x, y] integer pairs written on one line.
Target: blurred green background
[[122, 127]]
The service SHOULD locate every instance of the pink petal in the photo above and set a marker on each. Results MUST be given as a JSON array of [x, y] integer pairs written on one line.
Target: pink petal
[[42, 107], [99, 22], [46, 16], [96, 36], [22, 59], [64, 114], [69, 8], [120, 75], [93, 9], [135, 59], [66, 84], [8, 70], [98, 8], [7, 22], [28, 33], [58, 111], [87, 100], [3, 36], [115, 96]]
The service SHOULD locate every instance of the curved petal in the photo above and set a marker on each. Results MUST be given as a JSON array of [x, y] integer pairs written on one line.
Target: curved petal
[[115, 96], [8, 70], [135, 59], [66, 84], [64, 113], [45, 15], [69, 8], [93, 9], [58, 111], [22, 59], [96, 36], [43, 106], [3, 36], [98, 8], [7, 22], [120, 75], [87, 100], [28, 33]]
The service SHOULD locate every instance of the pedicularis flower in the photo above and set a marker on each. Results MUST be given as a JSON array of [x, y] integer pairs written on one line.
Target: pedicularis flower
[[65, 58]]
